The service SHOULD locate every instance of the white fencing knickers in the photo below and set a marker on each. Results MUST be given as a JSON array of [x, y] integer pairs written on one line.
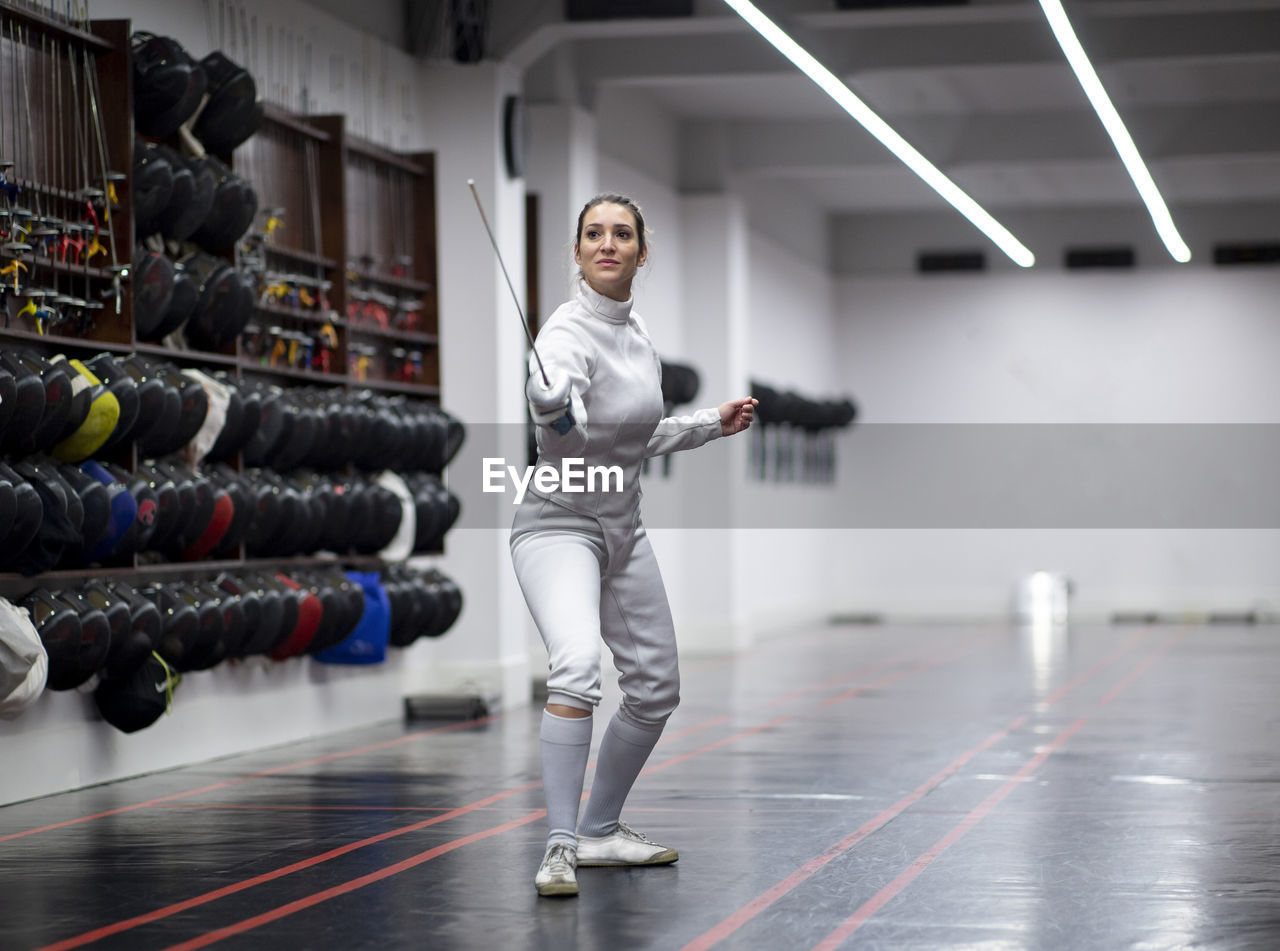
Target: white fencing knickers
[[586, 579]]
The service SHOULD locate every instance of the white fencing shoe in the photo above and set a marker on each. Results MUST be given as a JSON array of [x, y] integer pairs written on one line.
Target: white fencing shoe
[[624, 846], [556, 873]]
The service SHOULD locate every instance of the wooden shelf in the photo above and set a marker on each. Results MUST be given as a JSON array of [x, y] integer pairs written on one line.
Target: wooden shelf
[[388, 280], [391, 386], [317, 561], [68, 577], [368, 150], [40, 188], [278, 116], [290, 313], [298, 256], [185, 567], [54, 340], [289, 373], [52, 27], [400, 336], [41, 262], [189, 356]]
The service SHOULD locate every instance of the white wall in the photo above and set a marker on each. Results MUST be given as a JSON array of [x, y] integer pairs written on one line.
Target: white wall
[[657, 285], [60, 743], [1187, 346], [636, 132], [792, 321]]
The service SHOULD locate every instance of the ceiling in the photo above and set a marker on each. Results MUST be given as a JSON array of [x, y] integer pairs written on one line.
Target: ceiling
[[981, 89]]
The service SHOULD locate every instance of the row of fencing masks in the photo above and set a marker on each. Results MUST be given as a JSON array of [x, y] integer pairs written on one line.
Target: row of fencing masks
[[170, 87], [53, 405], [189, 198], [208, 299]]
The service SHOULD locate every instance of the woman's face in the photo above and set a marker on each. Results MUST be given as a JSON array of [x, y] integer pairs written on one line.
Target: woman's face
[[608, 250]]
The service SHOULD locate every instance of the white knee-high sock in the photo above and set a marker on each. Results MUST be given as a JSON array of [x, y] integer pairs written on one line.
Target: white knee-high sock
[[623, 753], [566, 743]]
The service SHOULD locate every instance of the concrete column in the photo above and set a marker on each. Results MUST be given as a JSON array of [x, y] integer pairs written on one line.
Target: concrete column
[[563, 173], [482, 377], [714, 280]]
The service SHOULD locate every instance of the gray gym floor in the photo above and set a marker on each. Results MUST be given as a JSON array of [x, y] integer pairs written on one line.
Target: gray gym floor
[[854, 787]]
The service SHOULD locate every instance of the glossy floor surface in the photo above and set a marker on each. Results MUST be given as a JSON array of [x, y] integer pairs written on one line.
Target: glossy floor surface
[[853, 787]]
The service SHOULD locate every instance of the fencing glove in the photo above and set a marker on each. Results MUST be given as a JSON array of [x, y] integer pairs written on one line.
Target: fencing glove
[[549, 402]]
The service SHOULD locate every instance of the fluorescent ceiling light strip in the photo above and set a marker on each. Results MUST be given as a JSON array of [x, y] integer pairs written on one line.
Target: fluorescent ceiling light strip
[[895, 143], [1116, 129]]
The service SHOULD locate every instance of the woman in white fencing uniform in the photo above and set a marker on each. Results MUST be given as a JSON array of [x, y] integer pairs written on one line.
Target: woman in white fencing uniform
[[583, 559]]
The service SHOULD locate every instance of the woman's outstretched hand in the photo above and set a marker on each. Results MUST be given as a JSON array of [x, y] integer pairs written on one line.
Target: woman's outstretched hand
[[736, 415]]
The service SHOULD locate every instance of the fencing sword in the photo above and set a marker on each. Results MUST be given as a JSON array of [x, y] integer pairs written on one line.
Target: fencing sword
[[563, 423], [117, 270]]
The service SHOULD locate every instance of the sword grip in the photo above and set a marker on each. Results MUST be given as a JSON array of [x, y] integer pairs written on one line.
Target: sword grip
[[563, 424]]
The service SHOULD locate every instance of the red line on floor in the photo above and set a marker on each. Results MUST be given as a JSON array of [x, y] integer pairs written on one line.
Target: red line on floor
[[724, 741], [1139, 670], [218, 806], [759, 651], [303, 903], [874, 685], [308, 902], [916, 655], [832, 852], [283, 911], [729, 925], [108, 930], [1089, 674], [372, 747], [855, 921], [242, 779], [98, 934], [962, 652], [329, 757], [337, 890], [835, 681], [922, 862], [697, 728]]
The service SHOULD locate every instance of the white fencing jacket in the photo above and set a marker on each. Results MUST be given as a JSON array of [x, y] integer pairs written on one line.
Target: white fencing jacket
[[616, 397]]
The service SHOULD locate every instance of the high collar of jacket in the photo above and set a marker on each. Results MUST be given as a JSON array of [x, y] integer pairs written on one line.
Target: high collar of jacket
[[614, 311]]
